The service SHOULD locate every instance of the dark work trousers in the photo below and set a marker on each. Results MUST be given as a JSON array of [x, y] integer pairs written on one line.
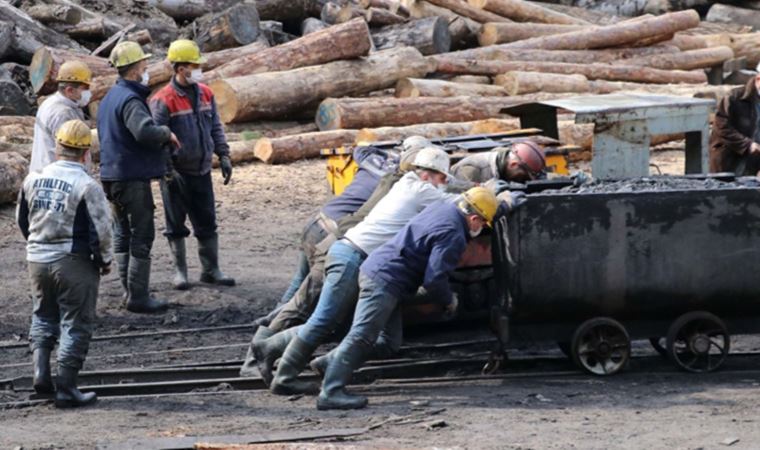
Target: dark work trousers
[[133, 207], [189, 196], [64, 293]]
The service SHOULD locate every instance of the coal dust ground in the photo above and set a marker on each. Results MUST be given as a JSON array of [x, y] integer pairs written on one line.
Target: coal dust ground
[[260, 215]]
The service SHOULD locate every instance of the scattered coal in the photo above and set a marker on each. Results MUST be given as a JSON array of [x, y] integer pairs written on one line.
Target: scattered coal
[[658, 183]]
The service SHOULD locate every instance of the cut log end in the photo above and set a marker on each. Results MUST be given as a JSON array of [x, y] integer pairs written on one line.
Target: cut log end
[[405, 88], [226, 100], [488, 35], [327, 116], [41, 70], [264, 151]]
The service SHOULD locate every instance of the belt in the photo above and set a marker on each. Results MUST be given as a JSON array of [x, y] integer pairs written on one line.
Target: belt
[[348, 242], [327, 224]]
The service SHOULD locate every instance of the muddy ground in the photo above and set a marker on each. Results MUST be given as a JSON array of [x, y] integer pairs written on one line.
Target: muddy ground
[[260, 215]]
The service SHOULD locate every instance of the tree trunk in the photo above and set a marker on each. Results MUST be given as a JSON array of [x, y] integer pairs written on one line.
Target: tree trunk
[[416, 87], [13, 170], [233, 27], [472, 79], [24, 121], [6, 39], [731, 14], [694, 59], [284, 10], [378, 17], [311, 25], [181, 10], [344, 41], [30, 35], [747, 46], [462, 29], [517, 83], [591, 71], [278, 94], [499, 52], [55, 14], [356, 113], [462, 8], [437, 130], [301, 146], [270, 129], [393, 6], [44, 67], [430, 36], [500, 33], [523, 11], [613, 35], [90, 30], [588, 15]]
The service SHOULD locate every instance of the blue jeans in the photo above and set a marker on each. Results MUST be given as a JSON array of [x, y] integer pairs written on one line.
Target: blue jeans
[[338, 295], [376, 306]]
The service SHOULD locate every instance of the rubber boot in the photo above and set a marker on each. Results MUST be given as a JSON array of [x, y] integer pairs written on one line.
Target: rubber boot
[[67, 395], [249, 369], [208, 252], [122, 263], [319, 364], [337, 376], [139, 300], [43, 381], [268, 350], [179, 255], [291, 364]]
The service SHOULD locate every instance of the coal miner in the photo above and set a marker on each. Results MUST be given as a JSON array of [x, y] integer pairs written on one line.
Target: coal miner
[[65, 217], [735, 138], [524, 161]]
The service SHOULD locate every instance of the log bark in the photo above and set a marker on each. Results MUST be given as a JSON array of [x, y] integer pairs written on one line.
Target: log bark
[[278, 94], [24, 121], [430, 36], [90, 29], [747, 46], [271, 129], [302, 146], [518, 83], [613, 35], [693, 59], [284, 10], [464, 9], [591, 71], [181, 10], [381, 17], [233, 27], [463, 30], [522, 11], [393, 6], [6, 39], [13, 170], [311, 25], [416, 87], [499, 52], [30, 35], [437, 130], [721, 13], [500, 33], [476, 79], [344, 41], [44, 67], [588, 15], [47, 14]]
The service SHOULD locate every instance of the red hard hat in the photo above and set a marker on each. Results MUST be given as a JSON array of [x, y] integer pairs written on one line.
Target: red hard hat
[[532, 156]]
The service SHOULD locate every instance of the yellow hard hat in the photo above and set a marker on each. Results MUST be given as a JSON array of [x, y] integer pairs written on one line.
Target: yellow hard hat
[[74, 72], [185, 51], [483, 202], [127, 53], [75, 134]]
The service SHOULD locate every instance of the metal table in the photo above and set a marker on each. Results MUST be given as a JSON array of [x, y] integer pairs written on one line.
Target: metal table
[[624, 124]]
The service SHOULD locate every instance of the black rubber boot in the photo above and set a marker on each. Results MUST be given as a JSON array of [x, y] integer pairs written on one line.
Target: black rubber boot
[[179, 255], [139, 300], [67, 395], [122, 264], [268, 350], [249, 369], [337, 376], [319, 365], [292, 363], [43, 381], [208, 253]]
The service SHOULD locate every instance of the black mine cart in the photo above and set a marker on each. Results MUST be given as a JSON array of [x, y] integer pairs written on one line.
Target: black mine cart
[[674, 260]]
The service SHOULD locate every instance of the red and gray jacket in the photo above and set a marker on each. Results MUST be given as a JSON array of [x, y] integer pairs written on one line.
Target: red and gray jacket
[[196, 123]]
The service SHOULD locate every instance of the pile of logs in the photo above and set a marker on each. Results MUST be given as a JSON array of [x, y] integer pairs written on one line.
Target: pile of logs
[[294, 76]]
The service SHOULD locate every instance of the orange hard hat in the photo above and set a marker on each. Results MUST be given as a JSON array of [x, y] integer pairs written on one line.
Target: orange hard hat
[[531, 157]]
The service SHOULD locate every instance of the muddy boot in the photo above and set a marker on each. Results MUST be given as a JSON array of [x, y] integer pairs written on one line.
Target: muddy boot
[[268, 350], [179, 253], [139, 300], [67, 395], [122, 263], [43, 382], [208, 252], [249, 369], [339, 372], [319, 365], [291, 364]]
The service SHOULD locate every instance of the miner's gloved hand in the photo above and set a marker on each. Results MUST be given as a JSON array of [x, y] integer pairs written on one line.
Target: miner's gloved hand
[[496, 185], [579, 178], [510, 200], [226, 165]]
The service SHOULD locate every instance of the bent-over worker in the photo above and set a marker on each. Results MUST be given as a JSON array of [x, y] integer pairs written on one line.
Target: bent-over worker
[[524, 161]]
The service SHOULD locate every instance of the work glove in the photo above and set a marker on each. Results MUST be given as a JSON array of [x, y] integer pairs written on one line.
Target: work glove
[[226, 165], [496, 185], [579, 178], [509, 201]]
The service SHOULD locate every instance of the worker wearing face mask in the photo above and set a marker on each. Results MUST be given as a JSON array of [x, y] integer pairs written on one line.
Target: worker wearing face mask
[[133, 151], [73, 94], [188, 108]]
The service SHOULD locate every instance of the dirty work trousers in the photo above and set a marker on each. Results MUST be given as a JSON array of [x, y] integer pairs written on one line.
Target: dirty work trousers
[[315, 231], [64, 296], [189, 196], [132, 205]]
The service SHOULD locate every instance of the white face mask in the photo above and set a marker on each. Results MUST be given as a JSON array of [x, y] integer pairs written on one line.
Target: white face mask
[[196, 76], [84, 100], [476, 233], [145, 78]]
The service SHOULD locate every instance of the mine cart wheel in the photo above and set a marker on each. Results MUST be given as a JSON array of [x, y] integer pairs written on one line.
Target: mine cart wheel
[[698, 342], [601, 346], [659, 344]]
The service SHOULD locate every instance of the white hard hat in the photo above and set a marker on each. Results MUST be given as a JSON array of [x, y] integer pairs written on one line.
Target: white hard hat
[[415, 143], [433, 158]]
